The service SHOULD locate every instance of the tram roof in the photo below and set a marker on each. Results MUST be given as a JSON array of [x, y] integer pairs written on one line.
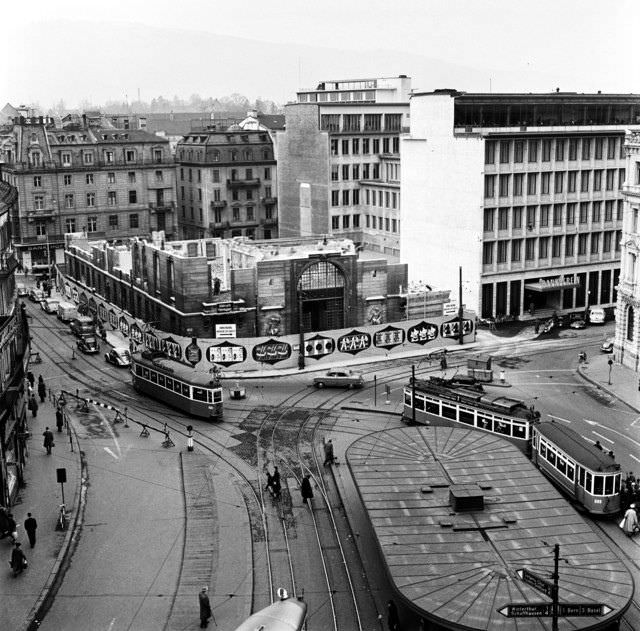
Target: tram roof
[[458, 568], [176, 369], [574, 445]]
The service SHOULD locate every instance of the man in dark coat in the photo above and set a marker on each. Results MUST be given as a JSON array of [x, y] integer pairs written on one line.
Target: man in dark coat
[[48, 440], [42, 389], [18, 560], [31, 378], [205, 607], [305, 488], [33, 405], [328, 453], [59, 418], [30, 525]]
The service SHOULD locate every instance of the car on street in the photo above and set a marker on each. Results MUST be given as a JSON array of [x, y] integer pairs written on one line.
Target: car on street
[[36, 295], [88, 344], [82, 325], [578, 324], [118, 357], [50, 305], [607, 345], [597, 315], [22, 290], [339, 379]]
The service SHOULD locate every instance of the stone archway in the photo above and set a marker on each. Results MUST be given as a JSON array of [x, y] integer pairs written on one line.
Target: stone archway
[[321, 297]]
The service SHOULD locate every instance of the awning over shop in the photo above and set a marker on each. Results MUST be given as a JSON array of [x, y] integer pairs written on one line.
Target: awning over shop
[[554, 284]]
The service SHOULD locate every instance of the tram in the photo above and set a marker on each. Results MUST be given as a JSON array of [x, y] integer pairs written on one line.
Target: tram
[[285, 614], [465, 403], [588, 474], [177, 385]]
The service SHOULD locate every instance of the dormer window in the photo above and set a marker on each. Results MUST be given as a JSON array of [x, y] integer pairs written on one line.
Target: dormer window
[[36, 159]]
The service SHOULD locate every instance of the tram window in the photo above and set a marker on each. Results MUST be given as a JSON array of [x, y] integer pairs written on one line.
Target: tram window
[[154, 376], [571, 473], [608, 484], [519, 430], [543, 449], [177, 387], [217, 396], [419, 403], [587, 482], [161, 380], [485, 423], [562, 465], [139, 371], [199, 394], [551, 457], [502, 427], [466, 417], [616, 488], [186, 390], [209, 396], [169, 383], [598, 484], [580, 476], [145, 373], [431, 407], [407, 398], [449, 412]]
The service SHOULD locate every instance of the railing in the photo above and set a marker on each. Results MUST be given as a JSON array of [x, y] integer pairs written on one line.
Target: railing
[[166, 206], [243, 183], [219, 203], [50, 165]]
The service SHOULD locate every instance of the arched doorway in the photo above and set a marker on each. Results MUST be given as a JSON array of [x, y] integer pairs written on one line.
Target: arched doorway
[[630, 323], [320, 292]]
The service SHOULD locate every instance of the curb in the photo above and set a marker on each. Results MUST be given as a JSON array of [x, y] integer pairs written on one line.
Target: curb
[[48, 592], [610, 392]]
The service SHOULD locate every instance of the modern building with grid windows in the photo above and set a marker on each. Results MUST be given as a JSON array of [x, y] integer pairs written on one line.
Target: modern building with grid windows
[[524, 191], [339, 161]]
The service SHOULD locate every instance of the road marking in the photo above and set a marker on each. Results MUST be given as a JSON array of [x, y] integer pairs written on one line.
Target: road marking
[[636, 459], [548, 370], [111, 453], [634, 422], [609, 429], [558, 418], [586, 420], [122, 394], [603, 437], [587, 438]]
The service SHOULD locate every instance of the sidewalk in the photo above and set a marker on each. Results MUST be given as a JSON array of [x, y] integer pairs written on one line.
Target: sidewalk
[[26, 597]]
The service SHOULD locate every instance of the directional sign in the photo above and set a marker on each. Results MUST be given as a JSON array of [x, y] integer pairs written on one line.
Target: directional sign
[[536, 581], [545, 610]]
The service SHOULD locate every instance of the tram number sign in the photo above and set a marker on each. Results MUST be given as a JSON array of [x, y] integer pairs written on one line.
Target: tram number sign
[[545, 610], [537, 582]]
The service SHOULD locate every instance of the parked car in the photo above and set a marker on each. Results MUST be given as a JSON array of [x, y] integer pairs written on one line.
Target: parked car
[[36, 295], [578, 324], [118, 357], [339, 379], [50, 305], [88, 344], [607, 345], [67, 311], [82, 325], [596, 315], [22, 290]]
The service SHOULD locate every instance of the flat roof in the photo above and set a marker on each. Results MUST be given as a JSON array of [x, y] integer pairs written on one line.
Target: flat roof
[[458, 569]]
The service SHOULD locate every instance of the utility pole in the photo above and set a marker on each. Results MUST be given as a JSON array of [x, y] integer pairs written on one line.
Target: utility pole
[[460, 313], [556, 560], [413, 394]]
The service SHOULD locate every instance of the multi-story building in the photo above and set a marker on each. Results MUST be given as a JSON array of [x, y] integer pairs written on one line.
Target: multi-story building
[[108, 182], [338, 161], [627, 342], [227, 184], [524, 191], [14, 355]]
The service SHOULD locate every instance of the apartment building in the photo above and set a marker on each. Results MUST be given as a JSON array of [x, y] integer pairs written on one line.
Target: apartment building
[[627, 342], [338, 161], [524, 191], [227, 184], [111, 183]]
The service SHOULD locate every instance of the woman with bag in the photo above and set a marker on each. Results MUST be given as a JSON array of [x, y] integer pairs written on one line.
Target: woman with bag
[[629, 523]]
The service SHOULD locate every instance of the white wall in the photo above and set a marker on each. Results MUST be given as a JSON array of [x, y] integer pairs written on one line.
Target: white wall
[[442, 188]]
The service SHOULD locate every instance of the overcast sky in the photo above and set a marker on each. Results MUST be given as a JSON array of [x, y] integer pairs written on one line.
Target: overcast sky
[[53, 49]]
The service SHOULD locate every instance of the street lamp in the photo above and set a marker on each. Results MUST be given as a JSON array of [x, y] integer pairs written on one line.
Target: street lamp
[[610, 362]]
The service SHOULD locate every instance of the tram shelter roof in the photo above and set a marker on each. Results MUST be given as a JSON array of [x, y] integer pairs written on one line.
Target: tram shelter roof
[[458, 569]]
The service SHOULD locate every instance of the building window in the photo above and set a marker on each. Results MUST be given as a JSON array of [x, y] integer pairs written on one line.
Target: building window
[[67, 180], [546, 150], [489, 185], [611, 148], [517, 217], [108, 157], [620, 210], [376, 145], [355, 196], [113, 222], [87, 158], [559, 150], [533, 151], [557, 215], [608, 209], [249, 194], [505, 151], [487, 253], [518, 151], [531, 217], [595, 212], [544, 215], [365, 146], [543, 248], [66, 159], [502, 251], [595, 242], [584, 181], [335, 198], [490, 152], [356, 221], [345, 221], [355, 146], [70, 224], [584, 212], [571, 184], [345, 147], [355, 172], [582, 244], [569, 244], [111, 178], [335, 223], [235, 196], [35, 158], [559, 181], [41, 228], [597, 180], [160, 176], [91, 200], [556, 247], [530, 249], [489, 216], [621, 178], [532, 183], [611, 173], [267, 173], [215, 176], [129, 155], [157, 155], [571, 214], [334, 146], [606, 243], [133, 197], [345, 198], [518, 180], [345, 171], [586, 148], [134, 221], [599, 146], [112, 198], [250, 213], [504, 185], [372, 122], [573, 149], [68, 200], [516, 250], [545, 183], [37, 181], [503, 219]]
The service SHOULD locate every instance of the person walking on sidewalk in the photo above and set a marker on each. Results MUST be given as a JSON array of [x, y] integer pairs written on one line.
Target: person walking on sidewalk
[[30, 525], [42, 389], [31, 378], [18, 560], [48, 440], [205, 607], [59, 418], [33, 405], [629, 523], [305, 488], [329, 458]]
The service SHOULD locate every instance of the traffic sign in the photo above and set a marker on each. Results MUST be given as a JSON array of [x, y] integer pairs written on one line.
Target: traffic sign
[[536, 581], [545, 610]]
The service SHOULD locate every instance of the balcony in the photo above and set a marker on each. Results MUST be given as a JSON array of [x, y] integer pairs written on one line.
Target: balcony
[[219, 203], [254, 182], [165, 207], [43, 214], [269, 201], [269, 221]]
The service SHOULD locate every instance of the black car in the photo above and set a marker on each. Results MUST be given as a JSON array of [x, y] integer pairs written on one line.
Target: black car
[[88, 344]]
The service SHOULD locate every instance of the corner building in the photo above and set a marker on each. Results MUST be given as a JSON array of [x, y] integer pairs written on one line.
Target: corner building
[[524, 191]]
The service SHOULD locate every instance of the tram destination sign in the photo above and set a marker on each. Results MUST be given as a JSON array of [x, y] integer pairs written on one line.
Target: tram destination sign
[[537, 582], [545, 610]]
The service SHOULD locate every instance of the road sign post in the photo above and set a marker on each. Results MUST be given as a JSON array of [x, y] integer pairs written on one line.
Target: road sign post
[[545, 610], [535, 581]]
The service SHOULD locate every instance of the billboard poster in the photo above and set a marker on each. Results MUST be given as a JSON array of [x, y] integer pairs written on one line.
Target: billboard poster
[[226, 354], [318, 346], [422, 333], [388, 338], [271, 352], [354, 342]]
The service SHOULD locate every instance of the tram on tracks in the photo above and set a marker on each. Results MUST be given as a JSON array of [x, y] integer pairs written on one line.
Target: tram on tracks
[[286, 614], [177, 385], [589, 475]]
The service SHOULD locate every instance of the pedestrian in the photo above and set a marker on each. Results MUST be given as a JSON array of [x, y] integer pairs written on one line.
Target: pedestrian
[[276, 475], [12, 527], [42, 389], [31, 378], [48, 440], [205, 607], [305, 488], [269, 486], [276, 486], [30, 525], [536, 327], [59, 418], [598, 445], [4, 523], [443, 362], [392, 616], [502, 376], [328, 453], [18, 560], [629, 523], [33, 405]]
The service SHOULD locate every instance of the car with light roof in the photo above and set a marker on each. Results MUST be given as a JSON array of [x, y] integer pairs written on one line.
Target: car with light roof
[[50, 305], [22, 290], [82, 325], [339, 378], [607, 345], [36, 295], [120, 357]]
